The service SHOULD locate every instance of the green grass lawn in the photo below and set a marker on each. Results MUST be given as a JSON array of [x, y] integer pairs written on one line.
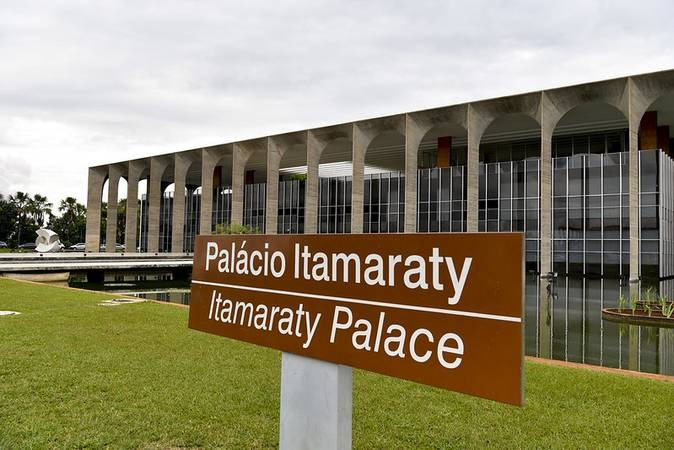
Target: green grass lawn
[[74, 374]]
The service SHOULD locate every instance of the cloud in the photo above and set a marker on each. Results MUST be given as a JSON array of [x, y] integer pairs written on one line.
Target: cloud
[[85, 83], [13, 173]]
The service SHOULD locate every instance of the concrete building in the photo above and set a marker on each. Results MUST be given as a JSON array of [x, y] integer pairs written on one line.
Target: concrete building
[[584, 171]]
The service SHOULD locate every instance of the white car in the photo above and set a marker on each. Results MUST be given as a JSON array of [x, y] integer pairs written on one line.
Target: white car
[[79, 247]]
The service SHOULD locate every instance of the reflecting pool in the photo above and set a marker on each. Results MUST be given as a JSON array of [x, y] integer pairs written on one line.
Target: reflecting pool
[[576, 330]]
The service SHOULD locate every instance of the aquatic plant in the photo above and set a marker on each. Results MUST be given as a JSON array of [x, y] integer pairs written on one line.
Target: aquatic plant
[[650, 295], [622, 301], [667, 308]]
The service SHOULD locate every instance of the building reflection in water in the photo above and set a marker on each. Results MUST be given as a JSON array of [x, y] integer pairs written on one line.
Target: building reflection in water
[[578, 333]]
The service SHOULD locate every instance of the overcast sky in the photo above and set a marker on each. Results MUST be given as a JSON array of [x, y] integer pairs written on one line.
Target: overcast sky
[[87, 82]]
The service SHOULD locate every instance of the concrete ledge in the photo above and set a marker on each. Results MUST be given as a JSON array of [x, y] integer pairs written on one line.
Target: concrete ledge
[[64, 262]]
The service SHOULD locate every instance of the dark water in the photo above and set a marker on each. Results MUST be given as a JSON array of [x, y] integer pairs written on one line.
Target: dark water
[[577, 331]]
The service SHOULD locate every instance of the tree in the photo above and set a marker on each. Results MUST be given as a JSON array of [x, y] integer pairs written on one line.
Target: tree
[[22, 204], [8, 216], [121, 221], [40, 207], [72, 225]]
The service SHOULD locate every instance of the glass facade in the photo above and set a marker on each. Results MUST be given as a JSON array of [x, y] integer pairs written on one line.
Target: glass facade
[[334, 205], [384, 203], [590, 217], [613, 141], [165, 222], [509, 200], [254, 203], [441, 199], [192, 214], [143, 223], [666, 211], [222, 206], [591, 214], [190, 224], [290, 219]]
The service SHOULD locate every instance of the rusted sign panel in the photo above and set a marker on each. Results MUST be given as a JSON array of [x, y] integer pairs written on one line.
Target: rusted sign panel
[[439, 309]]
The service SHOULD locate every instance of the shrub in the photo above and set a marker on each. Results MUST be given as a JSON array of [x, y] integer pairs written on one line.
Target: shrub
[[235, 228]]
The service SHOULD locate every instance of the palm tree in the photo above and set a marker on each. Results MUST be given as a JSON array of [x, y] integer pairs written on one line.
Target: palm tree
[[68, 206], [71, 225], [40, 207], [21, 202]]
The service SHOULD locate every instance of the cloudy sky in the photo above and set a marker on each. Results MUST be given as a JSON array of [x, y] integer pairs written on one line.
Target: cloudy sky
[[87, 82]]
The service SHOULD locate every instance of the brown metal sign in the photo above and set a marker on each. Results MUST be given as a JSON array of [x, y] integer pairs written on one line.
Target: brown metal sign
[[440, 309]]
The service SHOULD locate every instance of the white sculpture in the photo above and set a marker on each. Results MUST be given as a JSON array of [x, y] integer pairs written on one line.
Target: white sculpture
[[47, 241]]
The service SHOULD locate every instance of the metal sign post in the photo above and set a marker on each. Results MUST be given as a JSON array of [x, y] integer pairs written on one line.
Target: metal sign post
[[316, 404]]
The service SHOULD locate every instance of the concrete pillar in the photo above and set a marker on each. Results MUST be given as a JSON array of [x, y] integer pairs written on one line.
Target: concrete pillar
[[472, 170], [413, 135], [275, 153], [158, 165], [360, 142], [94, 192], [238, 167], [637, 106], [209, 158], [546, 286], [314, 150], [115, 173], [182, 165], [130, 234], [241, 153], [633, 168]]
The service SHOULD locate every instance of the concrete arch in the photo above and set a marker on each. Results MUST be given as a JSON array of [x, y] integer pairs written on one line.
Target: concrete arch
[[286, 158], [211, 158], [556, 103], [383, 186], [122, 201], [366, 133], [186, 205], [507, 128], [115, 173], [385, 152], [656, 125], [482, 114], [96, 178], [644, 90], [161, 174], [329, 146], [418, 127], [329, 153], [105, 194], [449, 135], [249, 166]]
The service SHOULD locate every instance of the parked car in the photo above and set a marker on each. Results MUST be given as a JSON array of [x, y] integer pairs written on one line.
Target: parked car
[[28, 246], [118, 247], [79, 247], [3, 244]]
